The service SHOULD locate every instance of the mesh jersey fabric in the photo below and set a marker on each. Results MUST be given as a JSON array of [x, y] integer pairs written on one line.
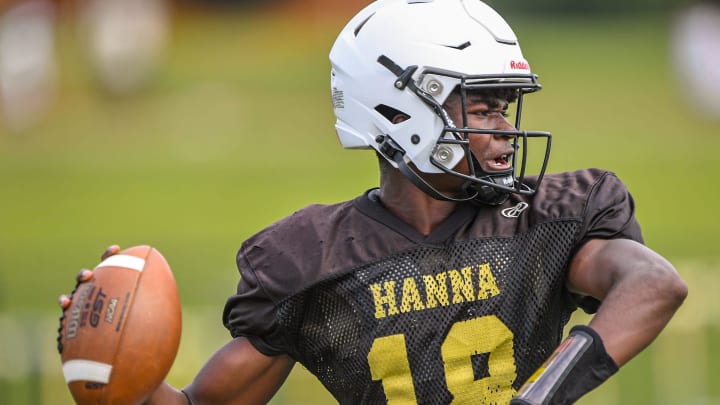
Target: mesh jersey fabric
[[380, 313]]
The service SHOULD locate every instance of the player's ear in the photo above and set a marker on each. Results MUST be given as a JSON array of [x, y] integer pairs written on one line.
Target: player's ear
[[399, 118]]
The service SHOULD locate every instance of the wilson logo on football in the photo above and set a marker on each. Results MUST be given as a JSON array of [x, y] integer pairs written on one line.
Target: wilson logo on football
[[519, 65]]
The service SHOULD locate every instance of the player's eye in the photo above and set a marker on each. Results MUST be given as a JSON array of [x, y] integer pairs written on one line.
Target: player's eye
[[480, 112], [488, 113]]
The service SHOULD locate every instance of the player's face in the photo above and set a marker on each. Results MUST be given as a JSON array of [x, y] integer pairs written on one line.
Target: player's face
[[493, 152]]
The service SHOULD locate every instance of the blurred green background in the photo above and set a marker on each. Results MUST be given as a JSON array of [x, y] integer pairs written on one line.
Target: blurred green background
[[234, 130]]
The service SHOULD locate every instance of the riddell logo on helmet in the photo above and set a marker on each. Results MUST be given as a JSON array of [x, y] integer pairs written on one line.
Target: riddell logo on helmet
[[519, 64]]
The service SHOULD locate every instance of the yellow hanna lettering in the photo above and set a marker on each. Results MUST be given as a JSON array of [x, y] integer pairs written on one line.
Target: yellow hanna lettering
[[462, 285], [411, 299], [436, 290], [435, 293], [381, 300], [488, 287]]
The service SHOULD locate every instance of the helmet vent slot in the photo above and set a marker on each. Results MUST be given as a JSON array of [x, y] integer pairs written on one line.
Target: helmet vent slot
[[389, 113], [362, 24], [459, 47]]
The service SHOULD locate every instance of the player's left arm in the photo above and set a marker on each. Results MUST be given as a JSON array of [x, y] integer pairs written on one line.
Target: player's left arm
[[639, 293], [639, 290]]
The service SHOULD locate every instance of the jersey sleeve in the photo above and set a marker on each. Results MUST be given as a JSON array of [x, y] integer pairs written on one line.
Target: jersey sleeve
[[250, 312], [609, 214]]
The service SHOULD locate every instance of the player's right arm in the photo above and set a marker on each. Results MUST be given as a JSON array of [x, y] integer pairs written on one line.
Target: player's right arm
[[237, 373]]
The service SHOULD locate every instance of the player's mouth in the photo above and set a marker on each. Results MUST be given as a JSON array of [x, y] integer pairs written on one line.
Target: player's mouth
[[500, 162]]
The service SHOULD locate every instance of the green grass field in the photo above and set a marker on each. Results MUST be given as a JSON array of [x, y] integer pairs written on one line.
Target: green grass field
[[236, 131]]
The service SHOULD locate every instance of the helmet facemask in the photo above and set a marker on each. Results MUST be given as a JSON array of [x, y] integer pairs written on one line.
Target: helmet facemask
[[491, 188]]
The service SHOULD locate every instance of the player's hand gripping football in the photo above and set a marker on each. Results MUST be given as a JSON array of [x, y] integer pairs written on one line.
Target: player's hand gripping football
[[83, 276], [124, 312]]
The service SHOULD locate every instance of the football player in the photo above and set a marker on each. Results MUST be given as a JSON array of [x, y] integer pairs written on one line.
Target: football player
[[454, 280]]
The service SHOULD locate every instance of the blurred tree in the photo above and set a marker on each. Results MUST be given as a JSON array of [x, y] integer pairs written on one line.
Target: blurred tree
[[695, 49], [27, 62], [125, 41]]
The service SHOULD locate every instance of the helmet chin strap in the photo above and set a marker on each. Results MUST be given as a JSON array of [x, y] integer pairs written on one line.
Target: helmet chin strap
[[477, 192], [487, 194], [391, 150]]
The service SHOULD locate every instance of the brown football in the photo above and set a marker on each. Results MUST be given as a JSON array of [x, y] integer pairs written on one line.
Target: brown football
[[121, 333]]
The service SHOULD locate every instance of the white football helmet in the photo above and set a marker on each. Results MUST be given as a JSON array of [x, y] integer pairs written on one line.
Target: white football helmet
[[405, 56]]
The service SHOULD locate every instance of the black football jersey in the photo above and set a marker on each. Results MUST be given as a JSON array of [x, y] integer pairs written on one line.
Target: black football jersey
[[383, 314]]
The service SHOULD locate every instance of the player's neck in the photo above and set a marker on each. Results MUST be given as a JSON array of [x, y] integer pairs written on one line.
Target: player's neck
[[413, 206]]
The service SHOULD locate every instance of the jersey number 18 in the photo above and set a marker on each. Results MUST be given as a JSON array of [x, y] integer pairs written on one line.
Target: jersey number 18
[[388, 360]]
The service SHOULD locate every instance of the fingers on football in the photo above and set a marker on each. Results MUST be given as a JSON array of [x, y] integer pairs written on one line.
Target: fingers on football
[[111, 250], [83, 276], [64, 301]]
